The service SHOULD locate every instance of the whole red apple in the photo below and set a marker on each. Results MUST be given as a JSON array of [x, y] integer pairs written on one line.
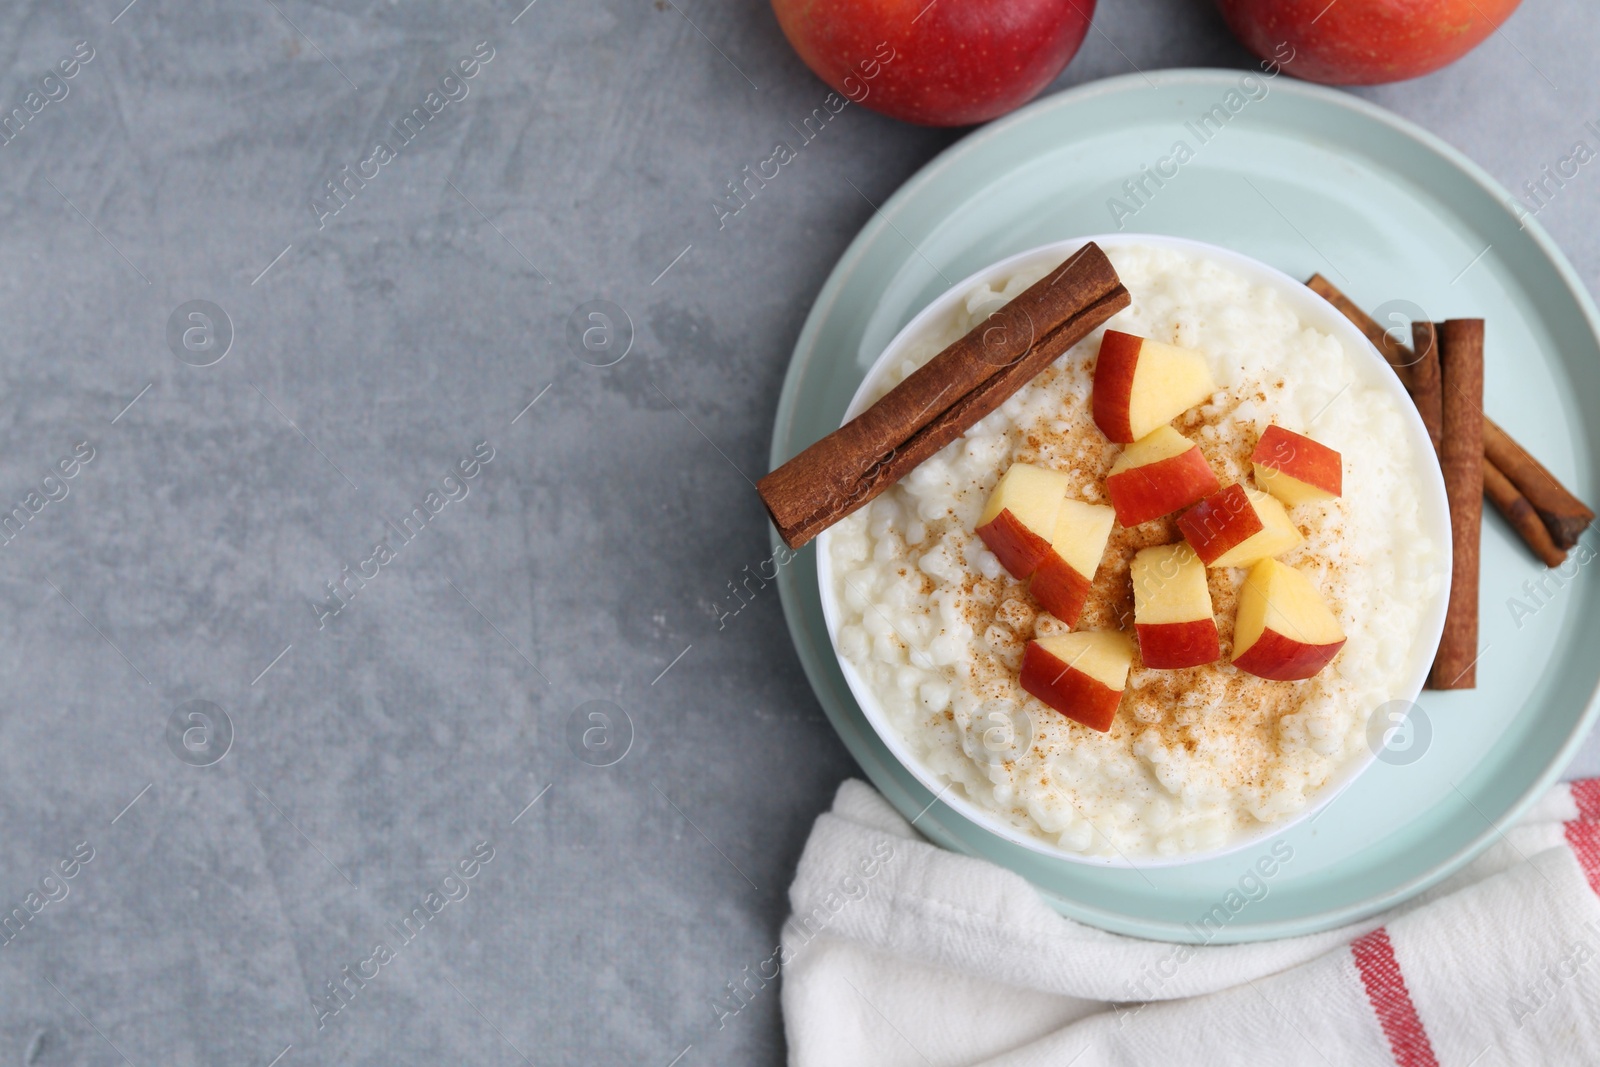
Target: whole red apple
[[936, 62], [1363, 42]]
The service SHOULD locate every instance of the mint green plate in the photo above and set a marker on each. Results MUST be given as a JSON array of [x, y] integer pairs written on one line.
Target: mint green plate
[[1308, 180]]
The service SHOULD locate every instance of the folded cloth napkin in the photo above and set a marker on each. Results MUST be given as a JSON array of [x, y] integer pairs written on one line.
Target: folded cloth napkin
[[900, 953]]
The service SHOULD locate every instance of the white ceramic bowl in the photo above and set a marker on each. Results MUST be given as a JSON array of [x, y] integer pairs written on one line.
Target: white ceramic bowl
[[1314, 311]]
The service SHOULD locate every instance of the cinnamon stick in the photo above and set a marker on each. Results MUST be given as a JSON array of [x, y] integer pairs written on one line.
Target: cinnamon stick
[[1520, 514], [1427, 393], [937, 403], [1564, 515], [1426, 388], [1461, 457]]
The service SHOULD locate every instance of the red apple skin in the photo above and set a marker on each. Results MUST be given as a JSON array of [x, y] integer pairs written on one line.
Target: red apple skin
[[950, 63], [1140, 494], [1170, 646], [1362, 42], [1113, 385], [1301, 458], [1069, 691], [1059, 589], [1018, 548], [1283, 659], [1219, 522]]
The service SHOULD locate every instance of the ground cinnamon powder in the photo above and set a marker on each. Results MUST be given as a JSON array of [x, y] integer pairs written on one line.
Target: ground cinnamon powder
[[1184, 707]]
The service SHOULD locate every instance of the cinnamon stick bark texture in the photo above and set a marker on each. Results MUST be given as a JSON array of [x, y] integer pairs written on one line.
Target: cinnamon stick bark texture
[[1564, 515], [940, 401], [1426, 388], [1521, 515], [1461, 457]]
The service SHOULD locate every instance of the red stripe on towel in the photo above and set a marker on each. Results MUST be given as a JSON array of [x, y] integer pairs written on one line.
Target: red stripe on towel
[[1391, 1000], [1586, 792], [1584, 838]]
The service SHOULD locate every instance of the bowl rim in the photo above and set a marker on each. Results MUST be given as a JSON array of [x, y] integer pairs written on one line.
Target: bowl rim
[[1313, 311]]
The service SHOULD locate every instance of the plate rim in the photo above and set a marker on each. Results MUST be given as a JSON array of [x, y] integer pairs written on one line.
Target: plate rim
[[829, 295]]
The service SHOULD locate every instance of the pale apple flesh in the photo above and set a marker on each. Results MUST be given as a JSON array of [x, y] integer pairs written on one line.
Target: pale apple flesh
[[1296, 469], [1020, 518], [1277, 535], [1061, 582], [1081, 675], [1284, 631], [1140, 384], [1172, 608], [1238, 526], [1157, 475]]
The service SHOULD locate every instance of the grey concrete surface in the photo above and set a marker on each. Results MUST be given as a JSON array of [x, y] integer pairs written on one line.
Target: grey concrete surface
[[376, 755]]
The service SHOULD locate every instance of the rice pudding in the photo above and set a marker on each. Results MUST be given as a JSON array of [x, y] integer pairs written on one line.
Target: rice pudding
[[1194, 757]]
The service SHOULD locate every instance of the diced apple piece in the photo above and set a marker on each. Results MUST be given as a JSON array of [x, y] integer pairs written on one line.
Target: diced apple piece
[[1237, 527], [1020, 517], [1284, 630], [1220, 522], [1158, 474], [1140, 384], [1172, 608], [1061, 583], [1081, 675], [1296, 469]]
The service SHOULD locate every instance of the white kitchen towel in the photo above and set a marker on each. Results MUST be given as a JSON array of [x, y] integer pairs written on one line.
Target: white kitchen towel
[[900, 953]]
